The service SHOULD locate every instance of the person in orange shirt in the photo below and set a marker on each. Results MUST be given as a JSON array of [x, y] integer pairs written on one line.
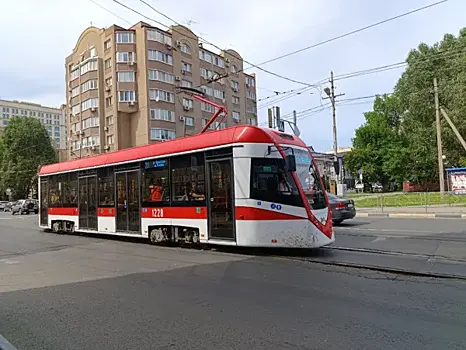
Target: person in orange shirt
[[156, 192]]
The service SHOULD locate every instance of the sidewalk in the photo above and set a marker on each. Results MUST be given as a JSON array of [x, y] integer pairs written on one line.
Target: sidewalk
[[432, 211]]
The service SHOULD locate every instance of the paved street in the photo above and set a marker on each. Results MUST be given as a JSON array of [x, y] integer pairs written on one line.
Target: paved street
[[78, 292]]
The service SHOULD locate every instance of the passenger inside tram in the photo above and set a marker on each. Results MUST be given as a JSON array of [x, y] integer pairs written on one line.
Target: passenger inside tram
[[193, 192], [156, 191]]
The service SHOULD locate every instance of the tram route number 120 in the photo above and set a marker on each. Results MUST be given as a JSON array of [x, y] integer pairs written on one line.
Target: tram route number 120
[[157, 213]]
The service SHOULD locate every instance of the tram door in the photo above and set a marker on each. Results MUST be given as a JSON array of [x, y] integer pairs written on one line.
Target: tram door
[[127, 194], [88, 202], [44, 200], [220, 199]]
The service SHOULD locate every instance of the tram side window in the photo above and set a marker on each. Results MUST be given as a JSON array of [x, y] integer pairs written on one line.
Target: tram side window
[[272, 183], [188, 179], [69, 189], [106, 187], [54, 192], [155, 183]]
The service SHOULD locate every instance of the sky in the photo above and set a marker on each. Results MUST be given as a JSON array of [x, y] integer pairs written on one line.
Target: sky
[[43, 33]]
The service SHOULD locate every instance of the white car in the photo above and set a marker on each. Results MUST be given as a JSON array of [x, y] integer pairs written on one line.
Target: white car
[[3, 205]]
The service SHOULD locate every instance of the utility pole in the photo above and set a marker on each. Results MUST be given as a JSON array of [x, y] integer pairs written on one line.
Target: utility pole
[[331, 95], [439, 139]]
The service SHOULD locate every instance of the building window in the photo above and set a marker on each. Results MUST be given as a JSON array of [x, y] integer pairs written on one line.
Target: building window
[[89, 85], [89, 66], [108, 63], [75, 91], [109, 81], [76, 109], [250, 95], [161, 76], [108, 101], [187, 103], [235, 100], [125, 38], [74, 74], [154, 55], [126, 77], [234, 85], [155, 35], [219, 94], [251, 109], [93, 52], [185, 49], [186, 67], [205, 56], [207, 90], [125, 57], [186, 83], [162, 114], [162, 134], [126, 96], [107, 44], [250, 82], [208, 107], [252, 121], [235, 115], [233, 69], [207, 74], [90, 103], [188, 121], [109, 120], [110, 140], [91, 122], [218, 61], [161, 95]]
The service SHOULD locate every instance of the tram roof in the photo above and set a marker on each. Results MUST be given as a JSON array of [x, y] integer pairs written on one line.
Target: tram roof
[[231, 135]]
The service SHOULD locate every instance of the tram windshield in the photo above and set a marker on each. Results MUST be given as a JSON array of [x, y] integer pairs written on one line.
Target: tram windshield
[[308, 177]]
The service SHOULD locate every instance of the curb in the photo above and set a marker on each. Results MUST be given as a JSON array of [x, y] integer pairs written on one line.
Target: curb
[[412, 215]]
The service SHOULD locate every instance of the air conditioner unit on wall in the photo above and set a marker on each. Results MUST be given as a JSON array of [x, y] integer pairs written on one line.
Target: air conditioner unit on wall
[[181, 118], [186, 108]]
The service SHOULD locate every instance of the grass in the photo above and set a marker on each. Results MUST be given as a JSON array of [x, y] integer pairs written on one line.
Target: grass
[[408, 200]]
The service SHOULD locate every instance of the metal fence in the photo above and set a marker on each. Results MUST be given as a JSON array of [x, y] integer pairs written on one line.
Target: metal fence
[[411, 202]]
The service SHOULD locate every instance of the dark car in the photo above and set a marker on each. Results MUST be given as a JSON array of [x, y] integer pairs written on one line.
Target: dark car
[[342, 208]]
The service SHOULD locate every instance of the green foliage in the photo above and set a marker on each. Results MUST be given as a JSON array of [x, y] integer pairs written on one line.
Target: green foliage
[[377, 142], [26, 146], [398, 141]]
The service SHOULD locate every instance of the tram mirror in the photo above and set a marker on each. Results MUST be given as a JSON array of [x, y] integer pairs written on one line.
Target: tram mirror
[[290, 162]]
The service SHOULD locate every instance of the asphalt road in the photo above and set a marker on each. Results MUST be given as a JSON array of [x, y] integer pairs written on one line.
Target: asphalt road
[[76, 292]]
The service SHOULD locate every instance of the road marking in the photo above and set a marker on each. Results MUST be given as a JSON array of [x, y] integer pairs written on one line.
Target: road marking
[[387, 230], [9, 262], [378, 239]]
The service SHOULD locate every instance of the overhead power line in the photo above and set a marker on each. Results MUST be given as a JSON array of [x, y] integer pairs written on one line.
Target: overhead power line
[[352, 32], [204, 40]]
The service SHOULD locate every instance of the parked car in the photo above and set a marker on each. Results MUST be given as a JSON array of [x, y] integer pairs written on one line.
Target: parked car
[[8, 206], [3, 205], [25, 206], [342, 208]]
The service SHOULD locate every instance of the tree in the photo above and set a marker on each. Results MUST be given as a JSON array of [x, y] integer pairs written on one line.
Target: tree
[[2, 189], [378, 144], [398, 141], [446, 62], [26, 146]]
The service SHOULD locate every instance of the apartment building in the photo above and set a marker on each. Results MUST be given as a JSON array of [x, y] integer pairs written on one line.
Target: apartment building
[[54, 119], [123, 87]]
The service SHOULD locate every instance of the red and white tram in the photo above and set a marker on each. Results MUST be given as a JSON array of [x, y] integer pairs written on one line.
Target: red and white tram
[[240, 186]]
